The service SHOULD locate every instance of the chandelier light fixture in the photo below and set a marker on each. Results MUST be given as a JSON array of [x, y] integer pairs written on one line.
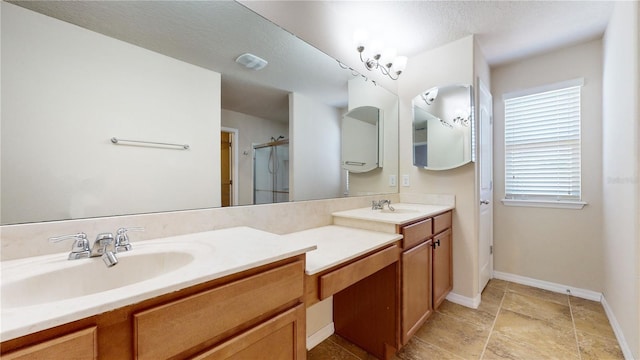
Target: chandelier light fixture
[[374, 56]]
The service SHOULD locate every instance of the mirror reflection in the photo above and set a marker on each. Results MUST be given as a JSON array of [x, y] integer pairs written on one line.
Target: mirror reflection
[[442, 127], [88, 75], [360, 139]]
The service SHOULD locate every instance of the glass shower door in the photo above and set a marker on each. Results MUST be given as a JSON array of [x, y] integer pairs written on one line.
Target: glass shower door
[[271, 172]]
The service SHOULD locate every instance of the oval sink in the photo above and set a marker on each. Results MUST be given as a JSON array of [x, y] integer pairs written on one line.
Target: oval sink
[[54, 281]]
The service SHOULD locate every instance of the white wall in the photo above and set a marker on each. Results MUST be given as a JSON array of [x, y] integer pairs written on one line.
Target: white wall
[[450, 64], [314, 149], [364, 93], [251, 130], [620, 250], [67, 91], [557, 245]]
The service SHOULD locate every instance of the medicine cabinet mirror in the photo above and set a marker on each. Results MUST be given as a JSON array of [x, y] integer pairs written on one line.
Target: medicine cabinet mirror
[[443, 127], [360, 139]]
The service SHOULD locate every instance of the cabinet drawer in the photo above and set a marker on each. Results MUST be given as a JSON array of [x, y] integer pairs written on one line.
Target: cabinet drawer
[[416, 233], [168, 330], [441, 222], [348, 275], [81, 344], [278, 337]]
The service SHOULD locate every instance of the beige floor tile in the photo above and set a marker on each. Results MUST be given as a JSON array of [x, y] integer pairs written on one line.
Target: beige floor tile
[[350, 347], [328, 350], [491, 300], [476, 316], [503, 347], [460, 337], [592, 322], [528, 333], [538, 309], [498, 284], [419, 350], [594, 347], [539, 293], [585, 304]]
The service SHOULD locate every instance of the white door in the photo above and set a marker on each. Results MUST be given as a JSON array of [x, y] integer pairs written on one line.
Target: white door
[[485, 247]]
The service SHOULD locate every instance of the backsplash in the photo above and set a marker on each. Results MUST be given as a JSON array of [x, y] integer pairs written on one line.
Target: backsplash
[[24, 240]]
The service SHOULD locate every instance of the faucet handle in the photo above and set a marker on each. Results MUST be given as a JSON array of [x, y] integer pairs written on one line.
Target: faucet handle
[[80, 248], [122, 238]]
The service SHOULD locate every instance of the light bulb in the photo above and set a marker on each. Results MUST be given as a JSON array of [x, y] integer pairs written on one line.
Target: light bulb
[[399, 64], [360, 38], [387, 56]]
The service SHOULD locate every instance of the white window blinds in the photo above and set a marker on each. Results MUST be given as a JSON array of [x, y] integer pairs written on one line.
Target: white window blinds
[[542, 145]]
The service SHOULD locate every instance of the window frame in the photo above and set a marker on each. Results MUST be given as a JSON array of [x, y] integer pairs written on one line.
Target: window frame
[[541, 201]]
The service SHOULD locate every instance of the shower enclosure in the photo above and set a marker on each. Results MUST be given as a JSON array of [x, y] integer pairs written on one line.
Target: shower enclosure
[[271, 172]]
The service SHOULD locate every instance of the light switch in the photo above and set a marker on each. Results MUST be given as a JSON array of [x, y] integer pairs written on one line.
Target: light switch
[[393, 181], [405, 180]]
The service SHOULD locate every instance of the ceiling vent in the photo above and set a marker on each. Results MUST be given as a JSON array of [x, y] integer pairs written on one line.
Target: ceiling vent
[[251, 61]]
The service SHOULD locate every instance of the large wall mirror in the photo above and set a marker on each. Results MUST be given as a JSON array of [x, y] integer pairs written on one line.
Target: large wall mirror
[[443, 127], [76, 74]]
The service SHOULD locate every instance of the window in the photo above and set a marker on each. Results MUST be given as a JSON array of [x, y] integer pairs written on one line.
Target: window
[[542, 146]]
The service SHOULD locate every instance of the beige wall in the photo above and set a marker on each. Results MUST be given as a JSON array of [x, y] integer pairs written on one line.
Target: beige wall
[[449, 64], [556, 245], [620, 250]]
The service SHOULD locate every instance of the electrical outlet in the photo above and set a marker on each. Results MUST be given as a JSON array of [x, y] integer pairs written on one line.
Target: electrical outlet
[[393, 181], [405, 180]]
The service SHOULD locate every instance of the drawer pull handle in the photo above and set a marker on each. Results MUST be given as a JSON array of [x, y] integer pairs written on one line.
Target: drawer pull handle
[[436, 243]]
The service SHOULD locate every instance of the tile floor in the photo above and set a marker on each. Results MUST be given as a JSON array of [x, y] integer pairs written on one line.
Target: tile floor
[[513, 322]]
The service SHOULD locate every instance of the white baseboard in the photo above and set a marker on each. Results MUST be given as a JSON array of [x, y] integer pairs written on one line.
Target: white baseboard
[[320, 336], [465, 301], [624, 346], [546, 285]]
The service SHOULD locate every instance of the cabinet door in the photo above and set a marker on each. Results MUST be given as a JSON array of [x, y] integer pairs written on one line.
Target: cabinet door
[[280, 338], [81, 344], [442, 269], [416, 289]]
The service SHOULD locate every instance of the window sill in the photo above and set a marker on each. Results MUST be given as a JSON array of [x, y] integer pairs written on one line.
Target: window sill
[[560, 204]]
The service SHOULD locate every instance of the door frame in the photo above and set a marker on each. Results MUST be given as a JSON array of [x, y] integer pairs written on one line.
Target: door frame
[[234, 163]]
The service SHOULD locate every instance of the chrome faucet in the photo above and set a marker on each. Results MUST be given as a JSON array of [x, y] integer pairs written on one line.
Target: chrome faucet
[[101, 248], [379, 205], [104, 246]]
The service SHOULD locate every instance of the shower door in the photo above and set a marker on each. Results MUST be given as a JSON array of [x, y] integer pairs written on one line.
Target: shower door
[[271, 172]]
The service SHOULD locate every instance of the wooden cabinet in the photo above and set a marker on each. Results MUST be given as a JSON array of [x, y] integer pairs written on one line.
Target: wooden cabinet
[[80, 344], [442, 267], [416, 289], [257, 311], [415, 277], [426, 270]]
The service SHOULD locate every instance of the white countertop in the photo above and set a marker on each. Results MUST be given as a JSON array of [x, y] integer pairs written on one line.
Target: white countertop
[[217, 254], [405, 213], [337, 244]]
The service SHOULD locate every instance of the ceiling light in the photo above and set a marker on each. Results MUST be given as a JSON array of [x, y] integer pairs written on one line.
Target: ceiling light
[[251, 61], [376, 58]]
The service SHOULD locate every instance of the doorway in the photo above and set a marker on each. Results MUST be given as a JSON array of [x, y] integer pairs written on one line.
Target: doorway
[[228, 167]]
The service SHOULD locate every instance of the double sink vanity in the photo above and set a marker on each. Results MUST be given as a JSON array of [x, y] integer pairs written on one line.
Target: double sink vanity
[[236, 293]]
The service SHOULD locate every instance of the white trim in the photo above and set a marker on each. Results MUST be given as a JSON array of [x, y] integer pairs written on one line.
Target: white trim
[[320, 336], [546, 285], [624, 346], [465, 301], [558, 204], [544, 88]]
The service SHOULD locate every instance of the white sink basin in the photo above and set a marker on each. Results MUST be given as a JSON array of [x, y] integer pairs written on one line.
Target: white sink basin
[[62, 279]]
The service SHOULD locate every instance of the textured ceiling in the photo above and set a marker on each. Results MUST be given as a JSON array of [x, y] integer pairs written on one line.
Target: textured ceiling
[[211, 34]]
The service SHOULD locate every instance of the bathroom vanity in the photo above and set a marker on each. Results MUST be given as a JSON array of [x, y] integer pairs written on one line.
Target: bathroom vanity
[[425, 268], [239, 308]]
